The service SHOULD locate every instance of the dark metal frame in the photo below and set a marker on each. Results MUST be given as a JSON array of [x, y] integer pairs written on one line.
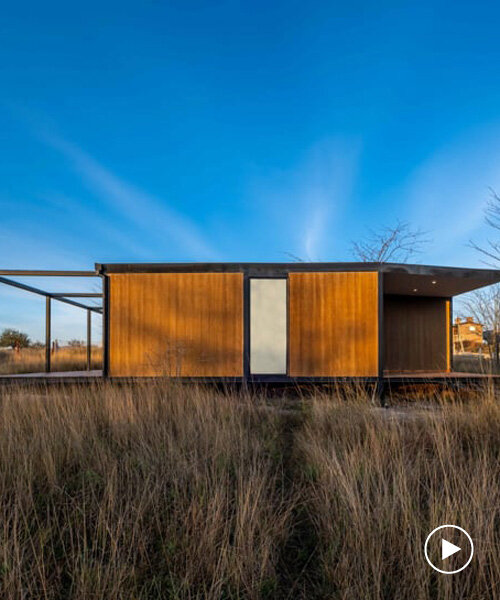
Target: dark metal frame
[[246, 328], [56, 296], [45, 273], [48, 328], [271, 269], [59, 297], [247, 373], [89, 339], [380, 391], [450, 341], [105, 325]]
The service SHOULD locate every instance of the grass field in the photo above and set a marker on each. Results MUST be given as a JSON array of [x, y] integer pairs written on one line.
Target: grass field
[[161, 491], [475, 364], [32, 360]]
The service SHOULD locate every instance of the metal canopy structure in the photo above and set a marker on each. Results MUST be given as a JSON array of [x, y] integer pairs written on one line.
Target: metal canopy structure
[[59, 297]]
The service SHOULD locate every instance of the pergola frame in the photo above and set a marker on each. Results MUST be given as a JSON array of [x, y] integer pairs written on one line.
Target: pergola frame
[[59, 297]]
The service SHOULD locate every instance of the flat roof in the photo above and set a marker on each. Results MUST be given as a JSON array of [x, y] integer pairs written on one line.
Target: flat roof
[[398, 278]]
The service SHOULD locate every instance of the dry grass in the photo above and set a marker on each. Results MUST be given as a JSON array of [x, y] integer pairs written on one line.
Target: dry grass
[[469, 363], [160, 491], [32, 360], [155, 492], [376, 484]]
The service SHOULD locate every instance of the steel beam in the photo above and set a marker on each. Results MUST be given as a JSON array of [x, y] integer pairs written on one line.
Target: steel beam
[[32, 273], [33, 290], [75, 295]]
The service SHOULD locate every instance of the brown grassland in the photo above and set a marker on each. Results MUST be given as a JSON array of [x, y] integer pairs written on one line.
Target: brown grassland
[[162, 491], [32, 360]]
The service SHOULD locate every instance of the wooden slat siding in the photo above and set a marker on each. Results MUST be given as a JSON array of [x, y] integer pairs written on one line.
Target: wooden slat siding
[[333, 324], [179, 324], [416, 334]]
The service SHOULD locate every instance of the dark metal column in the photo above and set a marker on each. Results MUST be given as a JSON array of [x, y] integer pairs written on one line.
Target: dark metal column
[[246, 328], [450, 341], [380, 390], [105, 326], [47, 334], [89, 339]]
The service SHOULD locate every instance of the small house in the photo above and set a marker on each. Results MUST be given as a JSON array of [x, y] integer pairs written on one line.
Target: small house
[[281, 322]]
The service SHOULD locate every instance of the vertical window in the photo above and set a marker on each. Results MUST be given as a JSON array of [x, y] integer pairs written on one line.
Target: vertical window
[[268, 326]]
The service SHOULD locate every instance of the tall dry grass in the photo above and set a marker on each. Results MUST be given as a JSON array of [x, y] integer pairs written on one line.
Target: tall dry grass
[[154, 490], [377, 482], [147, 492], [32, 360]]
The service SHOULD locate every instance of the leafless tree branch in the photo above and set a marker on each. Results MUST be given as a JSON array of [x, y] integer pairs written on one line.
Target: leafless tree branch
[[294, 257], [390, 244], [484, 306], [491, 249]]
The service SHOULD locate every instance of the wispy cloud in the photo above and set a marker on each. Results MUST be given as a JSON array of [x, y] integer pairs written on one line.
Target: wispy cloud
[[324, 186], [307, 201], [314, 231], [150, 216], [106, 232]]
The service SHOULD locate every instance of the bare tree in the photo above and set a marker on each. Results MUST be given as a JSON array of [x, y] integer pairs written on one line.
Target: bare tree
[[390, 244], [484, 306], [491, 249]]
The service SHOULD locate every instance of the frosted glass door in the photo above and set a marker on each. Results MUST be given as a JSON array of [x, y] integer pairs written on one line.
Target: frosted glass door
[[268, 326]]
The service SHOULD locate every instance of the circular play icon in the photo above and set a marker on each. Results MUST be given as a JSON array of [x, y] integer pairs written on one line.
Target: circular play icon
[[448, 549]]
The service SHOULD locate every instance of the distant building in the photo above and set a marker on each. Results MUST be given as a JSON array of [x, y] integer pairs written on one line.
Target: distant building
[[467, 335]]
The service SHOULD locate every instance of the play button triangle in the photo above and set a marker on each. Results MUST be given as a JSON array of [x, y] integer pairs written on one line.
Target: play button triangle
[[447, 549]]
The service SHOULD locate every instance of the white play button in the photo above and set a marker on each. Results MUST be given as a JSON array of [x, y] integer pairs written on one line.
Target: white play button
[[438, 548], [447, 549]]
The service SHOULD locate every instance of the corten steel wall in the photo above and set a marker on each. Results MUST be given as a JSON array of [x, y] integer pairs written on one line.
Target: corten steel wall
[[333, 324], [176, 324], [416, 333]]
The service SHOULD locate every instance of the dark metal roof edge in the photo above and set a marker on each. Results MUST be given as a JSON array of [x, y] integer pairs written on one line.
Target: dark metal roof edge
[[230, 267], [410, 269]]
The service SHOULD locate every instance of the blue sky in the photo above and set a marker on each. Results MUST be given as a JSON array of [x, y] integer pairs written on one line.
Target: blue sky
[[163, 131]]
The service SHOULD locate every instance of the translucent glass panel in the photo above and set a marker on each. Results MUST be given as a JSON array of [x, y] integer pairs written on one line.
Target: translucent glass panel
[[268, 326]]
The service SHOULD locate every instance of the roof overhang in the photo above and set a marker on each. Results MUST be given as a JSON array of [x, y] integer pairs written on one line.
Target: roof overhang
[[446, 282], [413, 280]]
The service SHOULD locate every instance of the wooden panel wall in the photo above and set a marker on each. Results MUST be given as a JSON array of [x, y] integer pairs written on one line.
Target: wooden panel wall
[[333, 324], [177, 324], [416, 333]]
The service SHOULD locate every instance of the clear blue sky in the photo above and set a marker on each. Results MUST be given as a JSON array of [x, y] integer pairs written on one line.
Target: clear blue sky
[[162, 131]]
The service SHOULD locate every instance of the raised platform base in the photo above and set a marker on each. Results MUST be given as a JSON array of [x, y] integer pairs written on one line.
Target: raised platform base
[[57, 377], [388, 378]]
